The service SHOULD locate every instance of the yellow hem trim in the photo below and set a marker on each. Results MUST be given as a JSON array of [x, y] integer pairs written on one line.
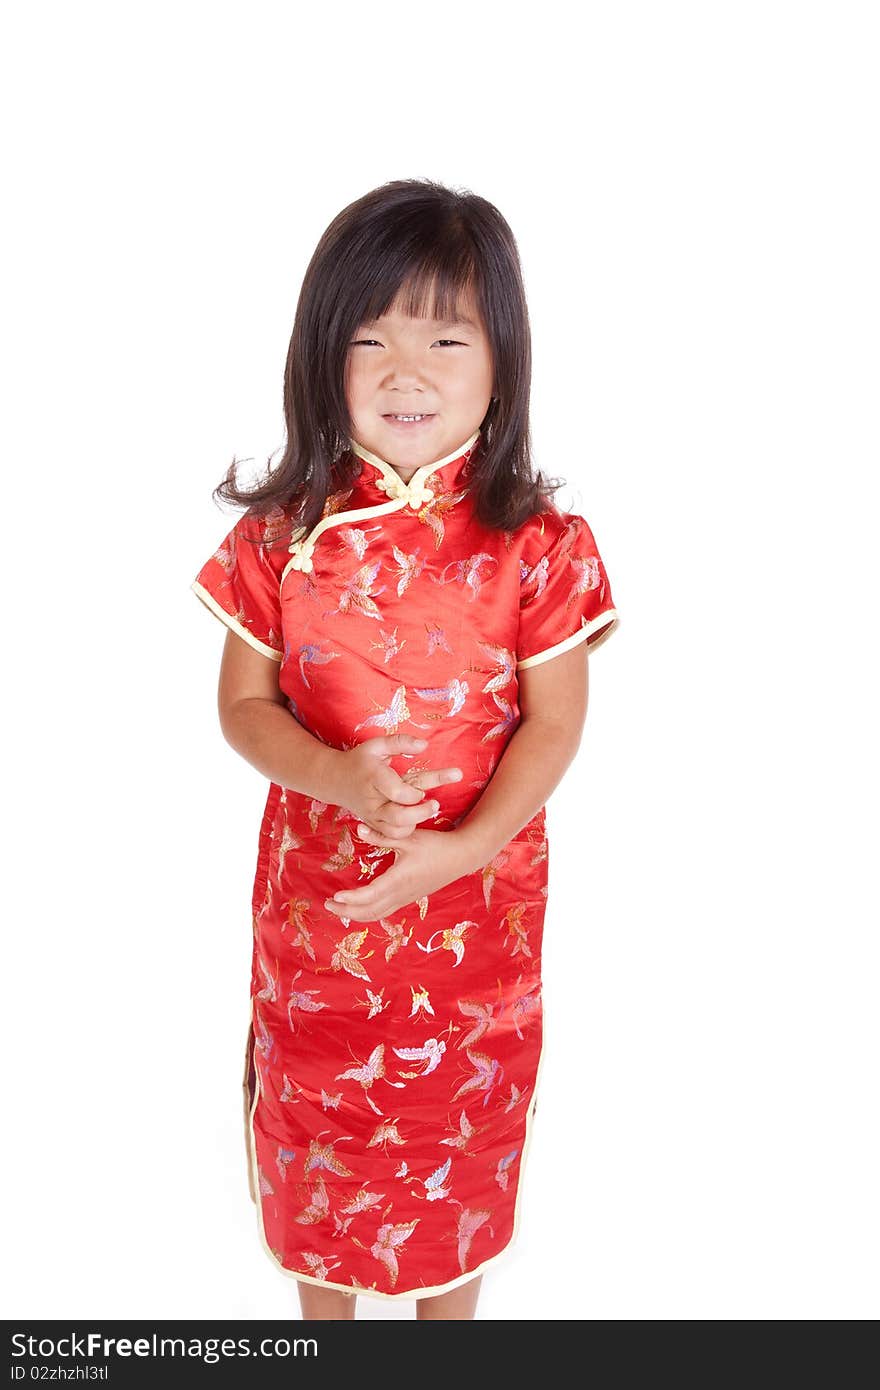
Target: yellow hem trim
[[420, 1291], [609, 620], [210, 602]]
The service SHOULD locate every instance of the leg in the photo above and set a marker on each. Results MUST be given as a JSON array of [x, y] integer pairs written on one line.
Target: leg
[[322, 1305], [460, 1303]]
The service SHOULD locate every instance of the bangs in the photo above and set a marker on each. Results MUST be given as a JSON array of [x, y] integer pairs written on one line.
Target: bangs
[[427, 251], [437, 286]]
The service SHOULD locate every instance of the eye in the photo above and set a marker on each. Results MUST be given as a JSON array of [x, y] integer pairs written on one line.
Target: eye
[[365, 342]]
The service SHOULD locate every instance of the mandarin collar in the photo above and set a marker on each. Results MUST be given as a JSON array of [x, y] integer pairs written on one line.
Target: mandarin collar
[[449, 467]]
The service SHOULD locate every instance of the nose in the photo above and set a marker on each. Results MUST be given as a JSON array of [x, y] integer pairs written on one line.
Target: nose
[[402, 370]]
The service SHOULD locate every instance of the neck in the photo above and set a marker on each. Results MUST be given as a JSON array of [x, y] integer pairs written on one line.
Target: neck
[[406, 472]]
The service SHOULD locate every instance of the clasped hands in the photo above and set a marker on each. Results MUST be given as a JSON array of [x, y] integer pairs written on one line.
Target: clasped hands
[[389, 808]]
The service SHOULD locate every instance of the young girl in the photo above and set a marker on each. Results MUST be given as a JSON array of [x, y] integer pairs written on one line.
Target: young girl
[[410, 616]]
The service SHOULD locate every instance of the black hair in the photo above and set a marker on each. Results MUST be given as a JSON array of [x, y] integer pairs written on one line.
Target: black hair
[[425, 246]]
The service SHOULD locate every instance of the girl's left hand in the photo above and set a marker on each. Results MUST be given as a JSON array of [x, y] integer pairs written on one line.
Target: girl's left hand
[[424, 862]]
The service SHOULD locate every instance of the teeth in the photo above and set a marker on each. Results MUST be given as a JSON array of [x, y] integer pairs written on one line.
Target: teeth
[[408, 417]]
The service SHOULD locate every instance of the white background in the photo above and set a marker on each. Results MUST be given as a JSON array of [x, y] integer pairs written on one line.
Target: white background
[[694, 193]]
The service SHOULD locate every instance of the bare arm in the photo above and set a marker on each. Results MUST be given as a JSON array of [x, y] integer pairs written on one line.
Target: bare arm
[[257, 723], [553, 700]]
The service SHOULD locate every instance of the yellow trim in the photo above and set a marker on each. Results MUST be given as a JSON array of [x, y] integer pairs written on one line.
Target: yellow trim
[[390, 475], [338, 518], [419, 1291], [210, 602], [609, 618]]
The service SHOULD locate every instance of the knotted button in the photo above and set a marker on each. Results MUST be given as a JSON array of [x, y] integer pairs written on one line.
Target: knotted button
[[418, 496], [302, 555], [414, 494]]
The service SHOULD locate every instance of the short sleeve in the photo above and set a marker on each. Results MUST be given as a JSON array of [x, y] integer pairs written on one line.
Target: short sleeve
[[565, 596], [240, 583]]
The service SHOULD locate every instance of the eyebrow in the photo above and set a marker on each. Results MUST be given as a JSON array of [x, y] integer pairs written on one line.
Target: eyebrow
[[439, 323]]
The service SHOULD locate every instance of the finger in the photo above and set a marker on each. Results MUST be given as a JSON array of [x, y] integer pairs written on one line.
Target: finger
[[357, 906], [360, 914], [405, 743], [371, 895], [399, 822], [382, 824], [396, 745], [396, 835], [368, 832], [352, 897], [382, 838], [438, 777], [391, 787]]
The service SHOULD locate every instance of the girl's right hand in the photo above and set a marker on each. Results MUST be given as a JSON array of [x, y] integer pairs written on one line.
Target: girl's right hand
[[379, 796]]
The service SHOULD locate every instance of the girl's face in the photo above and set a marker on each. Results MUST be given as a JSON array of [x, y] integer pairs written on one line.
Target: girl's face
[[399, 365]]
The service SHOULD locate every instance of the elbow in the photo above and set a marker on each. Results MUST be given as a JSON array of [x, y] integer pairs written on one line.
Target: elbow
[[561, 733]]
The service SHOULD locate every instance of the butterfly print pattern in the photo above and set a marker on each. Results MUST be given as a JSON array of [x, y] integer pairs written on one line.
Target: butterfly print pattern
[[391, 1067]]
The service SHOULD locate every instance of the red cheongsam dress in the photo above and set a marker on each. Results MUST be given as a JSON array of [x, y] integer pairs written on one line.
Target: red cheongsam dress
[[391, 1066]]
